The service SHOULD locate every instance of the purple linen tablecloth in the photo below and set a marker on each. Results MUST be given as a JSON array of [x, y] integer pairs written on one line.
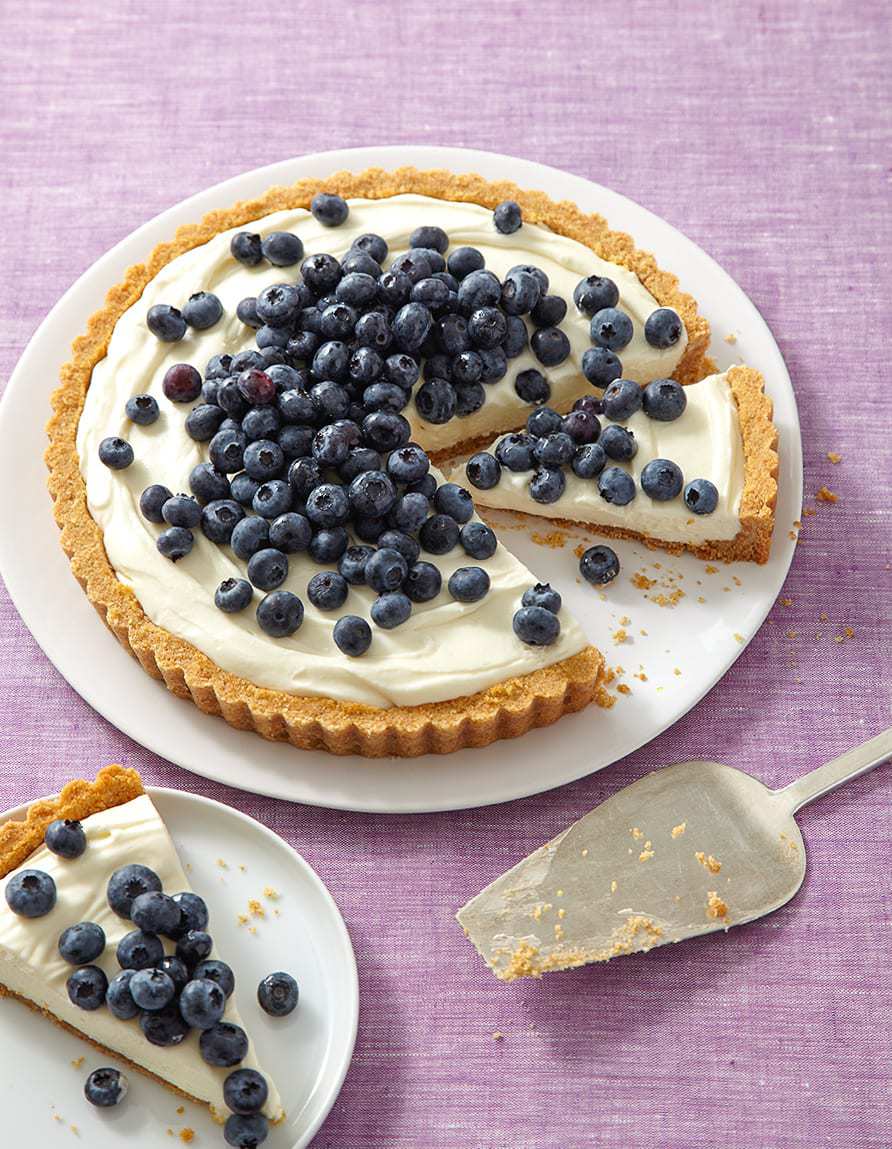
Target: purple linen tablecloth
[[761, 130]]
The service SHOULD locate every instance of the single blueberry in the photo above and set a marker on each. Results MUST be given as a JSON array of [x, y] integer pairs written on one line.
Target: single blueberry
[[115, 453], [352, 635], [106, 1087], [282, 249], [202, 1003], [202, 310], [290, 533], [181, 383], [520, 292], [663, 328], [328, 505], [487, 327], [409, 512], [599, 565], [218, 518], [618, 443], [554, 450], [537, 271], [203, 422], [257, 387], [616, 486], [701, 496], [243, 489], [247, 248], [152, 989], [82, 943], [175, 543], [594, 293], [386, 431], [181, 511], [268, 568], [622, 399], [264, 459], [664, 400], [385, 570], [373, 330], [155, 913], [360, 262], [127, 883], [193, 909], [478, 289], [532, 386], [515, 451], [372, 245], [139, 950], [589, 460], [208, 484], [218, 972], [536, 626], [331, 361], [542, 594], [280, 614], [516, 337], [152, 500], [329, 210], [327, 590], [245, 1091], [118, 997], [166, 323], [328, 544], [394, 288], [451, 499], [463, 260], [439, 534], [391, 609], [468, 584], [245, 1131], [194, 946], [661, 480], [547, 484], [227, 451], [478, 540], [507, 217], [435, 401], [274, 498], [402, 370], [550, 346], [164, 1027], [483, 471], [223, 1044], [87, 987], [246, 312], [550, 311], [422, 582], [352, 564], [65, 837], [611, 328], [321, 273], [600, 366], [582, 426], [142, 409], [175, 968]]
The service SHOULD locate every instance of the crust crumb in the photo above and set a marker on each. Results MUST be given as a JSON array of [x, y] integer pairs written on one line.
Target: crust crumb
[[269, 892], [555, 539], [187, 1135], [181, 1109], [834, 457], [825, 495], [708, 861], [623, 689], [620, 636], [715, 907], [77, 1062], [678, 830], [731, 338], [498, 1035]]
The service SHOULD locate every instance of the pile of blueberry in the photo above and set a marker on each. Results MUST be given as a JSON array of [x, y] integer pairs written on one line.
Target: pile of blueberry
[[169, 994], [553, 442]]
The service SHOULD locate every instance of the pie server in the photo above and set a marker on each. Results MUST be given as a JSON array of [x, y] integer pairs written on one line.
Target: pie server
[[686, 850]]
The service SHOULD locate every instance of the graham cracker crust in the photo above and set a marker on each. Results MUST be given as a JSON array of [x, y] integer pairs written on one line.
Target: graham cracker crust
[[503, 711]]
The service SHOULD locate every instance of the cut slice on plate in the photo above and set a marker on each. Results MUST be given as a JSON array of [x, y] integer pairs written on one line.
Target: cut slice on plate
[[122, 827], [718, 494]]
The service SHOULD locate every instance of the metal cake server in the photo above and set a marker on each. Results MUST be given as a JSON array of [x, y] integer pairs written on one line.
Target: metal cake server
[[686, 850]]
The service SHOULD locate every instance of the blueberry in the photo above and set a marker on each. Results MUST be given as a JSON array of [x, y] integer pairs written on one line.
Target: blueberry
[[282, 249], [483, 471], [339, 319], [537, 271], [142, 409], [246, 312], [701, 496], [202, 1003], [554, 450], [155, 913], [662, 480], [435, 401], [217, 367], [589, 460], [164, 1027], [87, 987], [433, 293], [372, 493], [516, 338], [181, 511], [664, 400], [328, 544], [230, 398], [66, 838], [544, 595], [365, 366], [106, 1087], [599, 565], [152, 989], [507, 217], [82, 943], [274, 498], [478, 540], [152, 500], [181, 383], [118, 997], [245, 1091], [409, 512], [385, 570], [321, 273], [468, 584], [304, 475], [423, 582], [411, 326], [223, 1044], [595, 293], [264, 460], [600, 366], [591, 404], [426, 486], [290, 533], [622, 399], [208, 484], [331, 361], [139, 950], [329, 210], [464, 260], [280, 614], [550, 311], [452, 334], [268, 568], [261, 423], [352, 635], [402, 370], [373, 330], [249, 536], [515, 452], [372, 245], [385, 430], [245, 361], [581, 426], [227, 451], [547, 484], [296, 442], [416, 263], [257, 387], [193, 909], [430, 237], [550, 346], [478, 289], [245, 1131], [394, 288], [352, 564], [663, 328], [487, 327], [218, 518], [128, 883], [536, 626], [202, 310], [618, 443], [532, 386], [175, 968], [115, 453], [247, 248], [439, 534], [175, 543], [195, 944], [327, 590], [453, 500], [328, 505], [217, 972], [166, 323], [361, 262], [611, 328], [408, 464], [203, 422], [616, 486], [391, 609]]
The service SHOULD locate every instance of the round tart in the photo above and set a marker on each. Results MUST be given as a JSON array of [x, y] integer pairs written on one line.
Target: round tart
[[317, 652]]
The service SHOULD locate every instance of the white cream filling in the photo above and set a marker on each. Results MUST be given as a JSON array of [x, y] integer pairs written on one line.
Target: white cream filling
[[705, 442], [31, 966]]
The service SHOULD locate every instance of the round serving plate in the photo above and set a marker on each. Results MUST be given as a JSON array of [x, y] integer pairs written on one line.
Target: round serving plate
[[693, 624]]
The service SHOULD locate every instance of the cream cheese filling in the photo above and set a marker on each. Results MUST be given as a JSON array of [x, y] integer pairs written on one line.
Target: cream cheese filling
[[705, 442], [31, 966]]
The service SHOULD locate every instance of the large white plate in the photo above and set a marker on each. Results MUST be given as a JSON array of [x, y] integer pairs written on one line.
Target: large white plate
[[698, 640], [309, 1052]]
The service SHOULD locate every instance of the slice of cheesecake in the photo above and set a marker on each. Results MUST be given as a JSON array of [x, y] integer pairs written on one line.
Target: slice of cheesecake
[[122, 826], [724, 436]]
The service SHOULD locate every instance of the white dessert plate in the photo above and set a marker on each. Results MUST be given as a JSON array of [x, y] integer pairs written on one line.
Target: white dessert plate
[[683, 649], [309, 1052]]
